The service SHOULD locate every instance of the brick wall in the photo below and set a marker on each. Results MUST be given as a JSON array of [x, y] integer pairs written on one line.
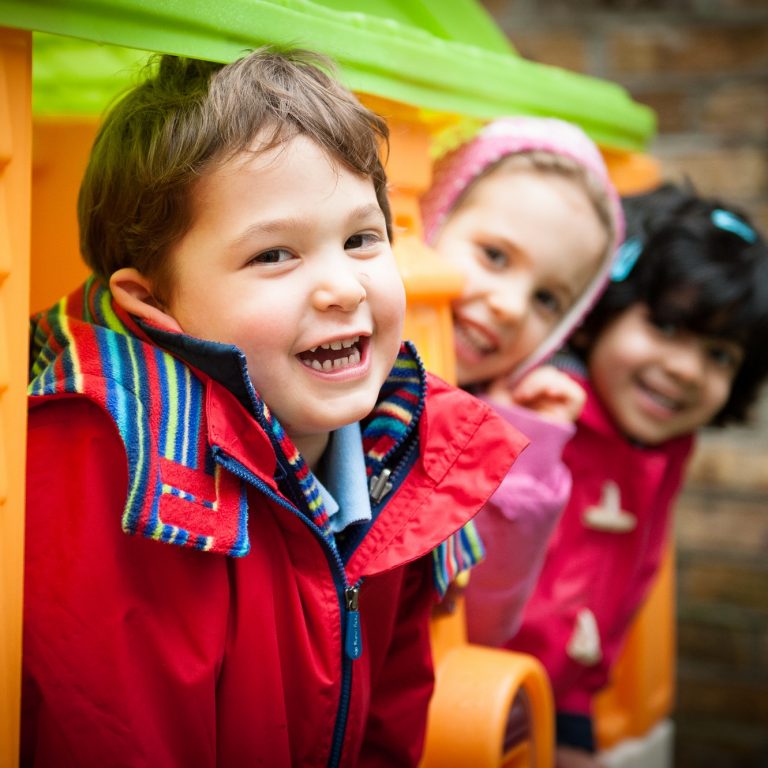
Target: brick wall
[[703, 66]]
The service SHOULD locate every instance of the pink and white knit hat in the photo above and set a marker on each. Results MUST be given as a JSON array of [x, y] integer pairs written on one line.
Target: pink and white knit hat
[[458, 169]]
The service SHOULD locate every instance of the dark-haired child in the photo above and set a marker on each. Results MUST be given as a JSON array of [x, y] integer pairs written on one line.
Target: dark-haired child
[[230, 387], [677, 342]]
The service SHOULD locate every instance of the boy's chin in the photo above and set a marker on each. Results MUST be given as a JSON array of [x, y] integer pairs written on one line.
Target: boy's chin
[[337, 417]]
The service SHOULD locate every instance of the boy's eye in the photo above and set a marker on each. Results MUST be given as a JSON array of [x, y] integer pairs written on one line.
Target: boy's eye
[[494, 256], [272, 256], [362, 240], [550, 302]]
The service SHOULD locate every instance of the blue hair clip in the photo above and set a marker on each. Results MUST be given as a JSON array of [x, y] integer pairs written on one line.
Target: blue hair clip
[[728, 222], [626, 257]]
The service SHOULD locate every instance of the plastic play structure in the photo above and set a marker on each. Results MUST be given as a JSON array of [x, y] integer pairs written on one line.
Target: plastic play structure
[[435, 70]]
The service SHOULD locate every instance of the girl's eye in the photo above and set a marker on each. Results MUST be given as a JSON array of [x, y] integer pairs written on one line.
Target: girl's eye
[[273, 256], [666, 328], [550, 302], [361, 241], [495, 257], [725, 354]]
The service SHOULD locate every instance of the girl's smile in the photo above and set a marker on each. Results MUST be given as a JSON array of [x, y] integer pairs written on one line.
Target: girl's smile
[[505, 237]]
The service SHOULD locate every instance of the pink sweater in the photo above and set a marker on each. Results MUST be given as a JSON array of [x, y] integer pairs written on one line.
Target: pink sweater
[[515, 526]]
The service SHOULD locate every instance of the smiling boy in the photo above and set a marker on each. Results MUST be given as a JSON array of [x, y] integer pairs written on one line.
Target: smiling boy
[[225, 387], [260, 267]]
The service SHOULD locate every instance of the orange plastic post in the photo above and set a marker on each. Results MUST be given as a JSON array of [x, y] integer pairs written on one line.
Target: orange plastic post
[[632, 172], [15, 162], [429, 284], [641, 693], [57, 267]]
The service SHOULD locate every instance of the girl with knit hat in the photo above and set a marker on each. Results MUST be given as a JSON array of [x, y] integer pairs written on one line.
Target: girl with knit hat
[[526, 211]]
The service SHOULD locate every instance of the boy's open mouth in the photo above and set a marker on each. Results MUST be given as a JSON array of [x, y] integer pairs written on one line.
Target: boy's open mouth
[[334, 355]]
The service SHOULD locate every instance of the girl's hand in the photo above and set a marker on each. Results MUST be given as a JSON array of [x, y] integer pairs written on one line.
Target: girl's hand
[[546, 390]]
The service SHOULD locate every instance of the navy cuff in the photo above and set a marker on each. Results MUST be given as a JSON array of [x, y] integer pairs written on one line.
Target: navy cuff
[[574, 730]]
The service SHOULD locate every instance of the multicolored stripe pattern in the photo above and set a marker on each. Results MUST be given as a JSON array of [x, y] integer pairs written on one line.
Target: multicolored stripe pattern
[[304, 476], [177, 493], [456, 555], [398, 410], [396, 414]]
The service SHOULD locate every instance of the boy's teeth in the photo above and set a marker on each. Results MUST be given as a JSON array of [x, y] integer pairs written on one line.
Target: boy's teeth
[[340, 344], [332, 365]]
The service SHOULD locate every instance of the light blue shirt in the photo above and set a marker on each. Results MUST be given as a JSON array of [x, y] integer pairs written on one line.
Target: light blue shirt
[[345, 490]]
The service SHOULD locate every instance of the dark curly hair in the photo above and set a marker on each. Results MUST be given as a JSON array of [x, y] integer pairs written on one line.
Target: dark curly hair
[[698, 273]]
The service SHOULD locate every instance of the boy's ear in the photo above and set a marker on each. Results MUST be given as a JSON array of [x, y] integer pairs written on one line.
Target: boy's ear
[[133, 292]]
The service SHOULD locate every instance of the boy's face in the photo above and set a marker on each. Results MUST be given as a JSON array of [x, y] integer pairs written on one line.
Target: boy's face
[[288, 258], [660, 381], [528, 244]]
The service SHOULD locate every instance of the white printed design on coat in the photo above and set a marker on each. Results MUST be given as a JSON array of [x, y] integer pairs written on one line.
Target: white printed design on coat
[[608, 514], [584, 645]]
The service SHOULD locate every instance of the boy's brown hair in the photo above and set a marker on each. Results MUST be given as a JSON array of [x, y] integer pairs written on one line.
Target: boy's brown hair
[[188, 116]]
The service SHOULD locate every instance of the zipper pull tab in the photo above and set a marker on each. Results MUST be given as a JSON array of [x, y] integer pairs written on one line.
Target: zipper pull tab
[[380, 486], [353, 640]]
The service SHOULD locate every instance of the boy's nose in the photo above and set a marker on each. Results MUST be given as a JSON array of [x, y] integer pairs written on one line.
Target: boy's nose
[[338, 287]]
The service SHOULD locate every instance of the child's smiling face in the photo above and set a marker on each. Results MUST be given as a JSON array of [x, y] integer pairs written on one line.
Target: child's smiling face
[[288, 259], [660, 381], [528, 243]]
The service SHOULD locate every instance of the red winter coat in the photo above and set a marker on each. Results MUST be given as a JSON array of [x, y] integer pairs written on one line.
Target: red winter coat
[[141, 653], [607, 572]]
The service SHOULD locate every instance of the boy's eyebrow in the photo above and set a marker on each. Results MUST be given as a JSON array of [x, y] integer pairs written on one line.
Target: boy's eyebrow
[[280, 225], [363, 211]]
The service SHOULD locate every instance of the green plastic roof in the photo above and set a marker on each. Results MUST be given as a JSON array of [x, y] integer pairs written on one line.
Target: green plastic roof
[[465, 21], [443, 57]]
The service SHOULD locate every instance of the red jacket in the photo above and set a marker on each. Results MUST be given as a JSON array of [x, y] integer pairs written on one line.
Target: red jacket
[[142, 653], [591, 564]]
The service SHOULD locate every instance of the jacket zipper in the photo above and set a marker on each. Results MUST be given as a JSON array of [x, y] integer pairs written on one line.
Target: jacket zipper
[[352, 646], [383, 482], [348, 601]]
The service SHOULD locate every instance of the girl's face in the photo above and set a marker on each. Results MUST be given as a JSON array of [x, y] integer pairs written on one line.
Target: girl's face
[[660, 381], [528, 243]]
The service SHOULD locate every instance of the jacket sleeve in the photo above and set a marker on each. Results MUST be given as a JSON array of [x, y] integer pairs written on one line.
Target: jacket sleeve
[[402, 687], [108, 675], [515, 526]]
